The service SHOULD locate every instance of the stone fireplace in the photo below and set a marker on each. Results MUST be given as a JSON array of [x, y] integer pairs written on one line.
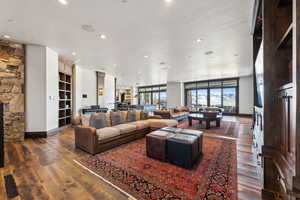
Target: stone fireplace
[[12, 90]]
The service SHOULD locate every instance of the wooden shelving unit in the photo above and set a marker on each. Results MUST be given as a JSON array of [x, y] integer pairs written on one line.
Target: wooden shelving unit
[[280, 114], [65, 99]]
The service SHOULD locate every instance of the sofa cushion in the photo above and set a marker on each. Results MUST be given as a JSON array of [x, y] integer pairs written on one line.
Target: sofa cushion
[[138, 114], [160, 123], [131, 116], [98, 120], [144, 115], [176, 110], [125, 128], [141, 124], [108, 132], [124, 115], [116, 118], [107, 118], [85, 120]]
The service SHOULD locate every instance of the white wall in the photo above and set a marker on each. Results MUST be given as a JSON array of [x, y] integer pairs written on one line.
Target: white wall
[[175, 94], [246, 93], [88, 87], [35, 89], [41, 89], [109, 91], [52, 89], [86, 83]]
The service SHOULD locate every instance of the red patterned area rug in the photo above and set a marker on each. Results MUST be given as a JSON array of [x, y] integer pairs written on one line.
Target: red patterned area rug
[[228, 128], [129, 169]]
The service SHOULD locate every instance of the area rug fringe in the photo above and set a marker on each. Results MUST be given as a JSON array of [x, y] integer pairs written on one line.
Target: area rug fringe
[[106, 181]]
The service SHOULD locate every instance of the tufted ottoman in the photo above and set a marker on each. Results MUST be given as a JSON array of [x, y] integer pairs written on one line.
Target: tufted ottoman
[[198, 134], [183, 150], [156, 144]]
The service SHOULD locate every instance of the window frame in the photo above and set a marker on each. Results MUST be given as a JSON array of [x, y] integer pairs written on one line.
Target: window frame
[[150, 89], [208, 88]]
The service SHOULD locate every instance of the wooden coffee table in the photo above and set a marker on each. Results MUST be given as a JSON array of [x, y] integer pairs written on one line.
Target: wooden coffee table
[[200, 117]]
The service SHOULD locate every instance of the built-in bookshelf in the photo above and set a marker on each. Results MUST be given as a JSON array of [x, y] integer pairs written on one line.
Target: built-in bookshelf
[[65, 99]]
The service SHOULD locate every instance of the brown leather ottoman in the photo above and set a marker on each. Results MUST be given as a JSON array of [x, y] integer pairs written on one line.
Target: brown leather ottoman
[[198, 134], [182, 150], [156, 144]]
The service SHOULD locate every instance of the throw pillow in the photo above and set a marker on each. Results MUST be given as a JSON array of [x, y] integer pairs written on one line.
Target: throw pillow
[[144, 115], [138, 114], [85, 120], [116, 118], [131, 116], [98, 121], [124, 115], [176, 110]]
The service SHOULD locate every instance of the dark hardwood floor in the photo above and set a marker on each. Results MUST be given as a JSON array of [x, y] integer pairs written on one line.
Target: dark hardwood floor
[[44, 169]]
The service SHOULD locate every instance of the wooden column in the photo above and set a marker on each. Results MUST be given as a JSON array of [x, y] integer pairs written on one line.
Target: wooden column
[[296, 82]]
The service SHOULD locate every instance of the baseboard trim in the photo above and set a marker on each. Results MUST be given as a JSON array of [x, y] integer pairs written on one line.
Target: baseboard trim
[[44, 134], [33, 135], [245, 115]]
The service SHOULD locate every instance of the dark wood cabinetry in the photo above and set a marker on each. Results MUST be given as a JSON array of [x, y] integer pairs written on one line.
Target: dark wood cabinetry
[[276, 26], [65, 99], [288, 138]]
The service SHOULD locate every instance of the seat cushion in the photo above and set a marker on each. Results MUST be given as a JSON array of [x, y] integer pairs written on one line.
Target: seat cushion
[[108, 132], [126, 128], [98, 121], [141, 124], [160, 123]]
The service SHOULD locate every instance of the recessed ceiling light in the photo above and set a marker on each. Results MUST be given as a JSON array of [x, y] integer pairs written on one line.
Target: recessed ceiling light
[[102, 36], [146, 56], [199, 40], [168, 1], [63, 2], [88, 28], [74, 53], [6, 36]]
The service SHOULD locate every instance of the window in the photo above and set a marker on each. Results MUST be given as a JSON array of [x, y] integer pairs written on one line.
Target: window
[[229, 100], [202, 97], [215, 97], [153, 95], [215, 93]]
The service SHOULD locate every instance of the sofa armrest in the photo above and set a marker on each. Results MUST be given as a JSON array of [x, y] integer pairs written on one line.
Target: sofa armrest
[[155, 117], [86, 138], [76, 121]]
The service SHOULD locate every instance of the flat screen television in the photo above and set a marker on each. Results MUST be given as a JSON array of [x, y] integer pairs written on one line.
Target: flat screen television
[[259, 77]]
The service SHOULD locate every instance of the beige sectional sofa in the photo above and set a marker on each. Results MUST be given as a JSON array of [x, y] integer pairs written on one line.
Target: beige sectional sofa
[[93, 140]]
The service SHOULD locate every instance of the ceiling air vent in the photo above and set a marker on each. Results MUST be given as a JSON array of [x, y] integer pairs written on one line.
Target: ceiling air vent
[[88, 28], [209, 52]]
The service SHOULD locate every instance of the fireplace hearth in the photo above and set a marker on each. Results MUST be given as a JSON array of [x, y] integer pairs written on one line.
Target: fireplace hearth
[[1, 135]]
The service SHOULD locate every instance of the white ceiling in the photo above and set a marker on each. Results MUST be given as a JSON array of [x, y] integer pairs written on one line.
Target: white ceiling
[[166, 32]]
